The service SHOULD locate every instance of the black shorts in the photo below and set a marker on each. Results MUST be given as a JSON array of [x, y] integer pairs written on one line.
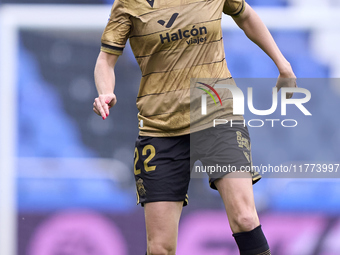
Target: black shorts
[[162, 165]]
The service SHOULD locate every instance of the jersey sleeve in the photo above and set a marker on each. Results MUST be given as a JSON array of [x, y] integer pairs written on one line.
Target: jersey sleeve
[[117, 29], [233, 7]]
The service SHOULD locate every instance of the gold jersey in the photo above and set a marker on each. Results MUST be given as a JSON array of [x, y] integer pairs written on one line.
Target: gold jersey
[[174, 41]]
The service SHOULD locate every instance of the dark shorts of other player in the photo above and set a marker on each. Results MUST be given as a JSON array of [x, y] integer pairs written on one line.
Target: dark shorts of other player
[[162, 165]]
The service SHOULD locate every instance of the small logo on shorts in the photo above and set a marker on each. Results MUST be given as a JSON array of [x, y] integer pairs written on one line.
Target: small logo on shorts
[[242, 142], [140, 187], [246, 154]]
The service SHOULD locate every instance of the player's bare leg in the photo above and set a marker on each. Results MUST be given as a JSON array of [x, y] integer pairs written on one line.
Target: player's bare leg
[[237, 193], [161, 220]]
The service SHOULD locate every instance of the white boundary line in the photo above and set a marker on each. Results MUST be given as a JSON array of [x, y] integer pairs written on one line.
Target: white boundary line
[[12, 19], [84, 17], [8, 43]]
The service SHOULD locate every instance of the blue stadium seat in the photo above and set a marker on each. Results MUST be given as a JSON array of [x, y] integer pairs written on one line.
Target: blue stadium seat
[[44, 129], [246, 60]]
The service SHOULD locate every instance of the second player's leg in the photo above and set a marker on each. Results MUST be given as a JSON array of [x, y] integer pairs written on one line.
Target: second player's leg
[[161, 220], [237, 193]]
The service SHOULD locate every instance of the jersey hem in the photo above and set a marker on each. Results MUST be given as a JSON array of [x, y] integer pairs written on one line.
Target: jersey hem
[[185, 131]]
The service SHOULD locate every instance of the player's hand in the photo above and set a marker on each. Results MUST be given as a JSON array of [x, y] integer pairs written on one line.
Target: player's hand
[[103, 103], [286, 80]]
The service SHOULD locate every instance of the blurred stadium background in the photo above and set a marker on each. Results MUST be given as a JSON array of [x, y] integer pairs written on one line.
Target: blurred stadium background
[[65, 175]]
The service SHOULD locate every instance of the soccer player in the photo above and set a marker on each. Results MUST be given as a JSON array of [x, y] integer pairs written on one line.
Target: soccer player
[[174, 43]]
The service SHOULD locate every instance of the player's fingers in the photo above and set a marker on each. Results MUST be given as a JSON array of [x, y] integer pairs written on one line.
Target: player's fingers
[[278, 88], [112, 101], [99, 107], [286, 83], [105, 106], [95, 110], [295, 84], [107, 102], [289, 95], [292, 84], [278, 84]]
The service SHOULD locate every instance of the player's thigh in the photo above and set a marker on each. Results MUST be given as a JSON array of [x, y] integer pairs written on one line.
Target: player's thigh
[[161, 168], [237, 193], [162, 219], [224, 149]]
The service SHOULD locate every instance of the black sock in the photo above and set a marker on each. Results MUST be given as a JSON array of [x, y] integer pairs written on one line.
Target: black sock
[[252, 242]]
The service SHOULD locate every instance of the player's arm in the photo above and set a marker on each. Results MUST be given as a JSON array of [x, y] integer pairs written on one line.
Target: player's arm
[[113, 41], [105, 83], [257, 32]]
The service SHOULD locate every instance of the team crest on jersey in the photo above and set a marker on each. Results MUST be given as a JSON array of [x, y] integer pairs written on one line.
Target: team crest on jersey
[[140, 187]]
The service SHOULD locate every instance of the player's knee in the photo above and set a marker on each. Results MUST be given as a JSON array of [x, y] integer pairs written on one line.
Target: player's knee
[[157, 248], [245, 222]]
